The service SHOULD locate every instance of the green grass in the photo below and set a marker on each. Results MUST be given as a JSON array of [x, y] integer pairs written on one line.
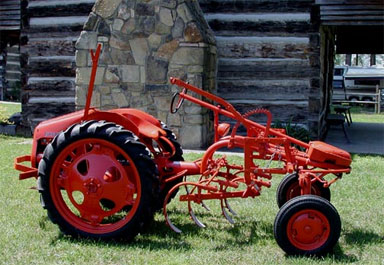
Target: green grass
[[9, 108], [366, 114], [28, 237], [368, 117]]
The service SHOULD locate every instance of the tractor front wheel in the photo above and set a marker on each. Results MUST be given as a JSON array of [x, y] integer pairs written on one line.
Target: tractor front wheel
[[289, 188], [97, 180], [307, 225]]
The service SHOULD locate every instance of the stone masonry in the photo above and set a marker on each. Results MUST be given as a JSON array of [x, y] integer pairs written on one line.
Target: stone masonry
[[145, 42]]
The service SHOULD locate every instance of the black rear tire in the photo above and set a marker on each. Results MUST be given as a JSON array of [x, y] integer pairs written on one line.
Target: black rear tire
[[128, 149], [178, 156]]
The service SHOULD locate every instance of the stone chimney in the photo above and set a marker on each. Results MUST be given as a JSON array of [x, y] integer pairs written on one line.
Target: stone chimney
[[144, 43]]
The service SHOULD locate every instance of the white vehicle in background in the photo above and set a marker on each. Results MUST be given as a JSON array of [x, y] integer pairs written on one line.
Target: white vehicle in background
[[357, 83]]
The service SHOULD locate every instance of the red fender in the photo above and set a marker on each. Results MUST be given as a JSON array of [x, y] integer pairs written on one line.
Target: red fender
[[140, 123]]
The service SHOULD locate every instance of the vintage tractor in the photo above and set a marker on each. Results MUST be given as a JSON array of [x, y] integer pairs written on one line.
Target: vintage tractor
[[103, 174]]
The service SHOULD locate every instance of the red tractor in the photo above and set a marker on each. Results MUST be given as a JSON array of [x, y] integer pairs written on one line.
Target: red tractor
[[103, 174]]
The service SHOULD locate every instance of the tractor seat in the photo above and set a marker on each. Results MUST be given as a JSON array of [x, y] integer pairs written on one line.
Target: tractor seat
[[325, 153]]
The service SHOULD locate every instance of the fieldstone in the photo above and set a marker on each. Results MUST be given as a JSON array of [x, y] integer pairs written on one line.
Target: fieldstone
[[148, 25], [86, 41], [106, 100], [194, 109], [193, 119], [130, 73], [159, 89], [154, 40], [102, 39], [188, 56], [104, 90], [166, 50], [156, 70], [124, 13], [179, 73], [133, 87], [105, 8], [91, 22], [195, 69], [177, 30], [83, 75], [117, 24], [142, 75], [129, 26], [184, 13], [117, 43], [95, 101], [174, 120], [162, 115], [103, 28], [145, 9], [162, 103], [162, 29], [140, 100], [81, 94], [81, 58], [191, 136], [139, 50], [111, 75], [121, 57], [192, 33], [120, 100], [166, 16], [168, 3]]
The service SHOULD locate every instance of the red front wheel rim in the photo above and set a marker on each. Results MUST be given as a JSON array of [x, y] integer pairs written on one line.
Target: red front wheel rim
[[294, 190], [308, 229], [95, 186]]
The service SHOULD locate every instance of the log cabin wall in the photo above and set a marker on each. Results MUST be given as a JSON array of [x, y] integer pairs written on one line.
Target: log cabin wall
[[10, 24], [268, 56], [50, 33]]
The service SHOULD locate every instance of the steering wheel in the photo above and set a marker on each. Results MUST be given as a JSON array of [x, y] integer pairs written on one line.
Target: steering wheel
[[180, 101]]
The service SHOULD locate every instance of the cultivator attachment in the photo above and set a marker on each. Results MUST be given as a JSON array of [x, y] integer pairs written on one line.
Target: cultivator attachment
[[221, 181]]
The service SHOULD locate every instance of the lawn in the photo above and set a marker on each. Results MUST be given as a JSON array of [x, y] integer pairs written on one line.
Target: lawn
[[9, 108], [28, 237]]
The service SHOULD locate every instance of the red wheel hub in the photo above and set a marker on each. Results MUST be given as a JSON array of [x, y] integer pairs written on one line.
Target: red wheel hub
[[95, 186], [308, 229]]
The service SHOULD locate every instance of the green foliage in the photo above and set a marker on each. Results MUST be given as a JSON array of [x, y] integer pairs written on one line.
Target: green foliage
[[293, 130], [3, 116], [6, 110]]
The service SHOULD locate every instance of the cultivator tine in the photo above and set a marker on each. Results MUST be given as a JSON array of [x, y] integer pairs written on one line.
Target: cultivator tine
[[225, 213], [205, 206], [172, 226], [229, 208], [193, 216]]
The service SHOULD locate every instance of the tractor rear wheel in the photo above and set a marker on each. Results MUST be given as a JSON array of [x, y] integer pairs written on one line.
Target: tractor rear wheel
[[178, 156], [289, 188], [97, 180], [307, 225]]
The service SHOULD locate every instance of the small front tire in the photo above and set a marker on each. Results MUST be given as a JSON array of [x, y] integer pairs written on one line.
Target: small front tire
[[307, 225], [289, 188]]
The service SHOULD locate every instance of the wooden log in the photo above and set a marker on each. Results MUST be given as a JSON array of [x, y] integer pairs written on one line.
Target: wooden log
[[51, 46], [51, 66], [56, 83], [64, 8]]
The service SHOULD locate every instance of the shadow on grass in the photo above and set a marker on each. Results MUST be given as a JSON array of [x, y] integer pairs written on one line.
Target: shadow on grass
[[336, 256], [360, 237], [245, 232]]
